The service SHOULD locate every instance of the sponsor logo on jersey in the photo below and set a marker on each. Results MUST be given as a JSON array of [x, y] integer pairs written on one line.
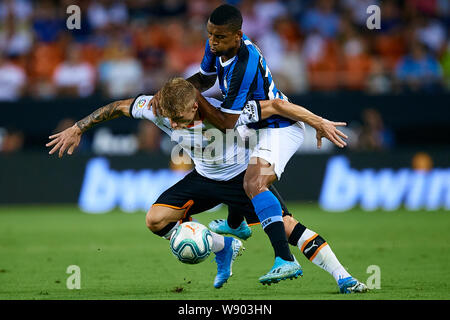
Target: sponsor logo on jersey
[[141, 103]]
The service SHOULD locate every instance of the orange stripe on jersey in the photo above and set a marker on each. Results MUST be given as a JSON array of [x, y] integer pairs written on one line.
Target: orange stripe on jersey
[[166, 205], [317, 251], [186, 206], [308, 241]]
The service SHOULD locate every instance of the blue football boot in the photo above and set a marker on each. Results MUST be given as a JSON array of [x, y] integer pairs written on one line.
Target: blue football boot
[[350, 284], [225, 258], [221, 226], [282, 270]]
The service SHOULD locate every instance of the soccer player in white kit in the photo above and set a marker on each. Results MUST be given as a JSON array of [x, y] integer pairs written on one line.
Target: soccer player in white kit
[[217, 177]]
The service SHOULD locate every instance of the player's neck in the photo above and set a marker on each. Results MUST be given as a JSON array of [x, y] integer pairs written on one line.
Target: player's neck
[[225, 58], [229, 55]]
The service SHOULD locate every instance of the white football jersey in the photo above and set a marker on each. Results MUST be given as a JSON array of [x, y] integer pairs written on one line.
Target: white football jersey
[[216, 155]]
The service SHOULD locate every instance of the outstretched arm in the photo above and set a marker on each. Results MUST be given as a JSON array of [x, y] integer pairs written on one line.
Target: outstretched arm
[[69, 139], [324, 128]]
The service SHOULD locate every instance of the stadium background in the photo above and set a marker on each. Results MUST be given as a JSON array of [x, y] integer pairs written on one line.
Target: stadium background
[[391, 85]]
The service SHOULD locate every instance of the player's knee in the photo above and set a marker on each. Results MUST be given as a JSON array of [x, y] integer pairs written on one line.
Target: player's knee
[[258, 177], [153, 221], [254, 185]]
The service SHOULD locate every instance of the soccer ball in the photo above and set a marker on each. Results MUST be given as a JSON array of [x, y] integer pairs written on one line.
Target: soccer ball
[[191, 242]]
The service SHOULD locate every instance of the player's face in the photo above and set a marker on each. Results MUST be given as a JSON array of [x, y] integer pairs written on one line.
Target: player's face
[[223, 41], [184, 119]]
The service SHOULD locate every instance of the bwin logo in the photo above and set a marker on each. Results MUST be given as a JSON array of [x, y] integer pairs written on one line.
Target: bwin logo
[[103, 188], [388, 189]]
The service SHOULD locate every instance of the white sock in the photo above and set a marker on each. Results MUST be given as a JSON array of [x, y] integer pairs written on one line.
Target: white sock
[[327, 260], [218, 242], [323, 256], [169, 234], [340, 273]]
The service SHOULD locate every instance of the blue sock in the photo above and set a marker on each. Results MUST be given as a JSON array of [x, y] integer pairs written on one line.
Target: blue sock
[[269, 212], [267, 208]]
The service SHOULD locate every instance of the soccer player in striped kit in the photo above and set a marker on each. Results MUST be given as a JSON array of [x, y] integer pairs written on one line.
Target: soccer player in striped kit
[[243, 75]]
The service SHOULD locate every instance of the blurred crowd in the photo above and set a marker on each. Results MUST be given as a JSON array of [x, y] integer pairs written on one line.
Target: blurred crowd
[[126, 47]]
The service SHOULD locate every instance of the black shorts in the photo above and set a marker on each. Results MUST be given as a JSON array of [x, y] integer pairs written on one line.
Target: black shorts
[[196, 194]]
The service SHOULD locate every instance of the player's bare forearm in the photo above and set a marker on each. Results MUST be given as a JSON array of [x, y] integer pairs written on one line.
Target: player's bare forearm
[[217, 118], [289, 110], [324, 128], [69, 139], [110, 111], [201, 81]]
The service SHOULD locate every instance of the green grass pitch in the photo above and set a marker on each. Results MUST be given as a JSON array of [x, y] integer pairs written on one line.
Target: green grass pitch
[[120, 259]]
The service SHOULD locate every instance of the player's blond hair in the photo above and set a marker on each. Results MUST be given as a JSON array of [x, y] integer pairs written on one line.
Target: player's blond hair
[[175, 96]]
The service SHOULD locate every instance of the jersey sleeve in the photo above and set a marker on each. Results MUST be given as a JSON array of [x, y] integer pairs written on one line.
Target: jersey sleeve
[[242, 76], [208, 65], [214, 102], [139, 108]]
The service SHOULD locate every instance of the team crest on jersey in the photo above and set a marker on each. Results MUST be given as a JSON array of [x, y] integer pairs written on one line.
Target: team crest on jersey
[[141, 103]]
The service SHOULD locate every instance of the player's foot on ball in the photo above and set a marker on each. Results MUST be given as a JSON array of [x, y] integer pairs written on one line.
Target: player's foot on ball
[[350, 284], [225, 258], [221, 226], [282, 270]]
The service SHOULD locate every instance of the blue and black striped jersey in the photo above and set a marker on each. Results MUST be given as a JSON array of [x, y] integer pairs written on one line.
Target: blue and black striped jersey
[[244, 77]]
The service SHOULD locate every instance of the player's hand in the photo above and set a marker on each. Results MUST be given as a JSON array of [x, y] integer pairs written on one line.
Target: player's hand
[[68, 140], [327, 129], [154, 104]]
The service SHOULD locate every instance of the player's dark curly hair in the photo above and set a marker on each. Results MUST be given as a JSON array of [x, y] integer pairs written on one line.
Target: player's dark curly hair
[[227, 15]]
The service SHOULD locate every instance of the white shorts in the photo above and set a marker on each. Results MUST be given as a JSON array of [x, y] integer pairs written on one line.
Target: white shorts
[[278, 145]]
